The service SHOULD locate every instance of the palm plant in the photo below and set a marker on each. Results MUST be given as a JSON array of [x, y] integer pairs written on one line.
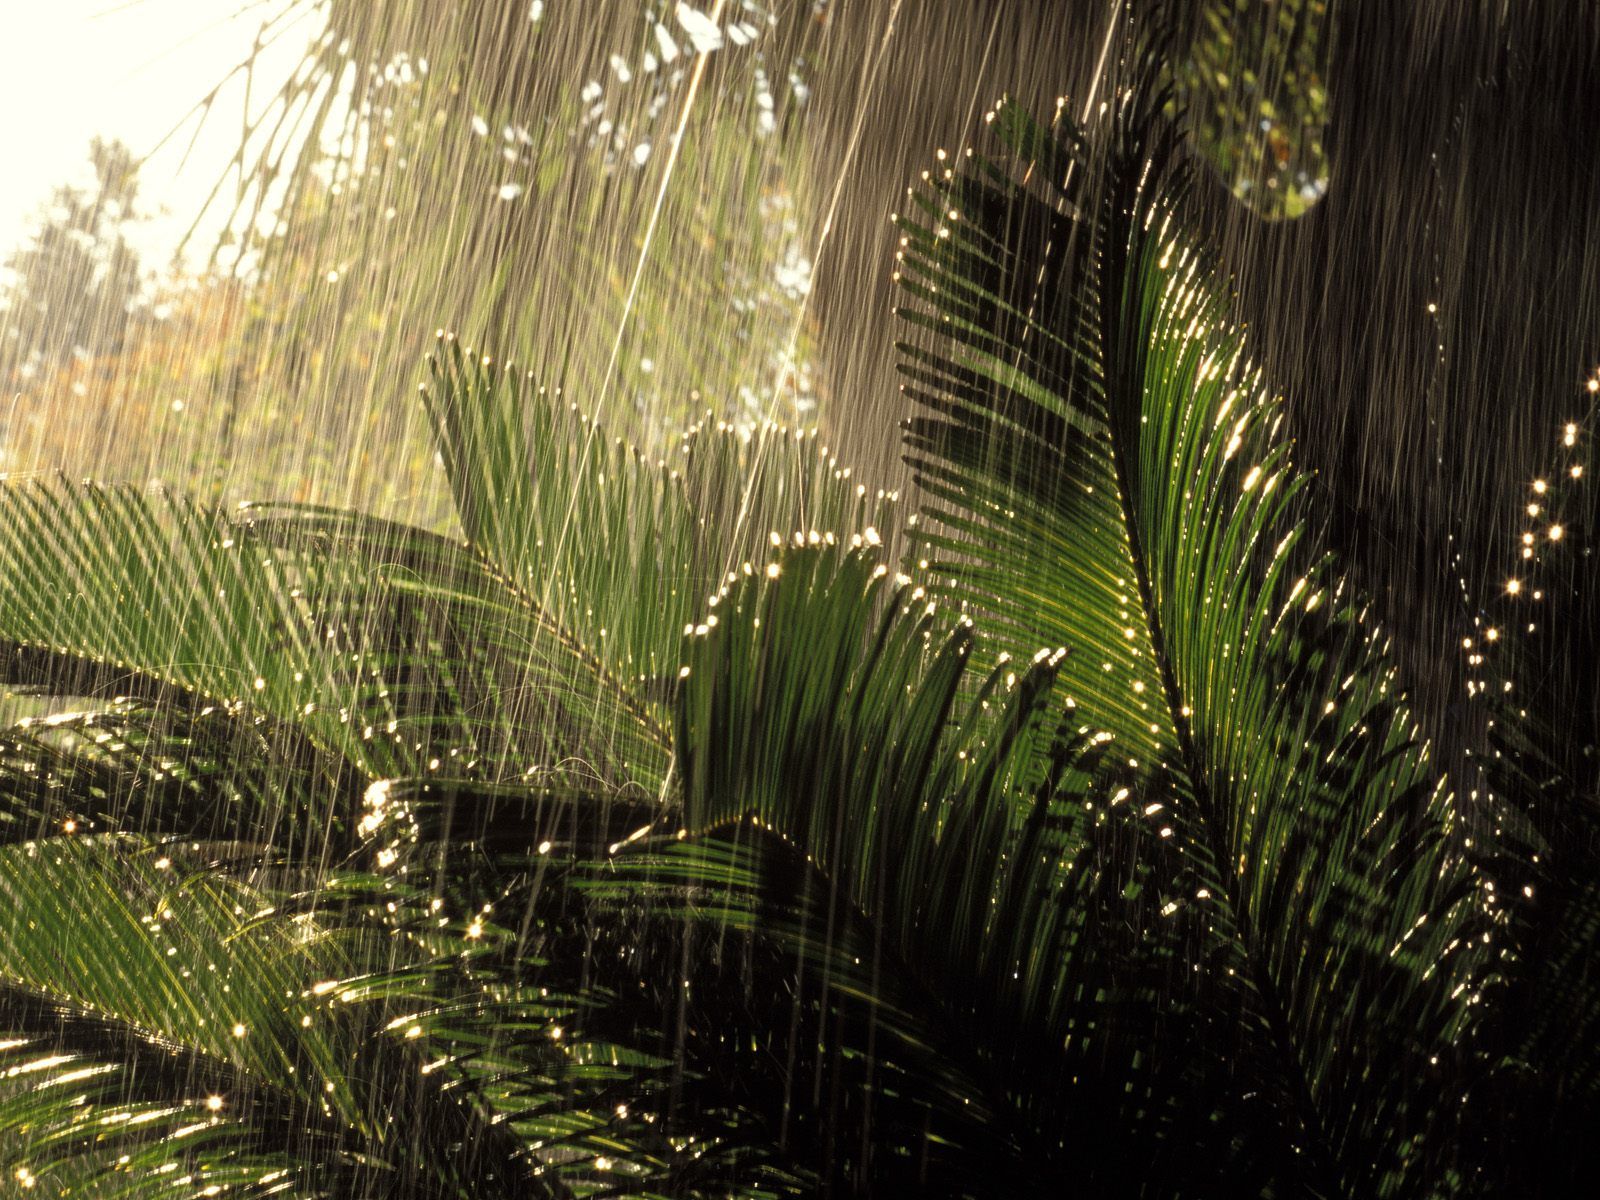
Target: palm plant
[[661, 838]]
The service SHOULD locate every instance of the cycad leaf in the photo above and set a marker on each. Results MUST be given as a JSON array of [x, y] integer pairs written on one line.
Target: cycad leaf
[[621, 550], [814, 705], [820, 704], [93, 1105], [554, 1014], [1001, 908], [1104, 470], [111, 946], [787, 1000], [460, 662], [389, 646]]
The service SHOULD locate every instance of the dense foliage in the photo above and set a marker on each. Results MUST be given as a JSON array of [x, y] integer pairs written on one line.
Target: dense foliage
[[699, 825]]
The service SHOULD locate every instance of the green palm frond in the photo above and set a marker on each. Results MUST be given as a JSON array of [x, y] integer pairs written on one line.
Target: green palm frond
[[90, 1105], [546, 1016], [388, 646], [811, 694], [382, 1025], [464, 665], [1106, 471], [784, 1004], [248, 673], [622, 550], [600, 885], [861, 810], [877, 895], [117, 951]]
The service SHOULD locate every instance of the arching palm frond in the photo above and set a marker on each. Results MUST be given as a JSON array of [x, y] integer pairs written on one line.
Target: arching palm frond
[[387, 645], [825, 737], [623, 550], [158, 1008], [247, 787], [814, 943], [269, 1016], [1106, 471]]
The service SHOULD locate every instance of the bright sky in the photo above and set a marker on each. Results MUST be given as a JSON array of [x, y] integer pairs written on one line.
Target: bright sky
[[128, 69]]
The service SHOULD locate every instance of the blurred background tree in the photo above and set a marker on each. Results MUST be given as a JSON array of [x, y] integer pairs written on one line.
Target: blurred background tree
[[77, 287], [1256, 93]]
